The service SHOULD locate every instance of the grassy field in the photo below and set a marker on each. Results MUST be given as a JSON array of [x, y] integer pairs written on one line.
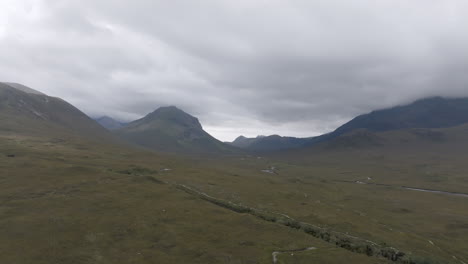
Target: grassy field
[[66, 200], [309, 187], [69, 201]]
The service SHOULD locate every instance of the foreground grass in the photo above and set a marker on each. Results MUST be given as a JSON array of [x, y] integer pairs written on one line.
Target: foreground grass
[[342, 240], [73, 202], [420, 224], [69, 201]]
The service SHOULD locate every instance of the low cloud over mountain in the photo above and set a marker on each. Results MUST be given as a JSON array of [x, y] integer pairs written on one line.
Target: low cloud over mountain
[[296, 68]]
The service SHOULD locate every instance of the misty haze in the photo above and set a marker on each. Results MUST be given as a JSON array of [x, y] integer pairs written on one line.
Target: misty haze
[[247, 132]]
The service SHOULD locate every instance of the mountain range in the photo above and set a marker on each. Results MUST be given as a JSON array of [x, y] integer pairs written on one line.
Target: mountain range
[[170, 129], [434, 112], [376, 178]]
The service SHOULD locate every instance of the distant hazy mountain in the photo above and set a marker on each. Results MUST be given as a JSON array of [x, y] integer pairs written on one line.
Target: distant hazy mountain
[[268, 143], [170, 129], [435, 112], [27, 111], [244, 142], [109, 123], [418, 118]]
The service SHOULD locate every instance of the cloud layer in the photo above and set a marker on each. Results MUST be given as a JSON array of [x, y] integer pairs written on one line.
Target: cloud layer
[[297, 68]]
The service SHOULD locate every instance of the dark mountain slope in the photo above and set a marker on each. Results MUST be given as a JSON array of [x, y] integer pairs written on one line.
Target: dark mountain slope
[[268, 143], [244, 142], [436, 112], [414, 143], [170, 129], [26, 111], [429, 113]]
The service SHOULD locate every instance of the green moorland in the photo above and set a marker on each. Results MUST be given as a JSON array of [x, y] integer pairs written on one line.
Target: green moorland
[[318, 186], [71, 192], [68, 200]]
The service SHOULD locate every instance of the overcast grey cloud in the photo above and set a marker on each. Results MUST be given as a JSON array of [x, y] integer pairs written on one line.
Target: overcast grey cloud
[[297, 68]]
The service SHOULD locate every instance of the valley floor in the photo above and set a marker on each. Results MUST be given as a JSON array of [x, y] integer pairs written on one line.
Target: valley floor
[[69, 201]]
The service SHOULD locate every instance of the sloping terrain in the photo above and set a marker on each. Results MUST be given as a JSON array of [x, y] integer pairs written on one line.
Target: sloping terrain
[[401, 140], [435, 112], [29, 112], [69, 198], [243, 142], [407, 188], [169, 129], [86, 202], [109, 123], [362, 197], [269, 143], [21, 87]]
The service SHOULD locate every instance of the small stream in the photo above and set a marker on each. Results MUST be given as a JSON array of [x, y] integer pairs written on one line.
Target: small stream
[[435, 191], [410, 188]]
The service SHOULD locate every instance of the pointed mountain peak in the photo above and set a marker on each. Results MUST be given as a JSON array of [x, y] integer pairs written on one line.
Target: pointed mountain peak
[[173, 115], [170, 129], [167, 109], [241, 137]]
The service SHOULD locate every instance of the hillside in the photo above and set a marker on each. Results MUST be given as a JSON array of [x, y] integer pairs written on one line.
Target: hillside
[[109, 123], [435, 112], [414, 139], [327, 204], [102, 203], [422, 115], [23, 88], [243, 142], [169, 129], [268, 143], [26, 111]]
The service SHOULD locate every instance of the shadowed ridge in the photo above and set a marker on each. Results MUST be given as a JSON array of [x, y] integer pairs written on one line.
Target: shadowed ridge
[[269, 143], [34, 113], [363, 130], [428, 113], [434, 112], [169, 129]]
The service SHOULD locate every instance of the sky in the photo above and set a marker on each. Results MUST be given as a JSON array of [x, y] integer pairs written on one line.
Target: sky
[[243, 67]]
